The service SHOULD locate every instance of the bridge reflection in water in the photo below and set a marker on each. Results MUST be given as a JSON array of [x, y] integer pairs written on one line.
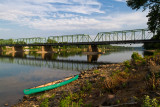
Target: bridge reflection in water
[[47, 60]]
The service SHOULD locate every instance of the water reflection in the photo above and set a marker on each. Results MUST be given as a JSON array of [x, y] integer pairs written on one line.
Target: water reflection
[[51, 60]]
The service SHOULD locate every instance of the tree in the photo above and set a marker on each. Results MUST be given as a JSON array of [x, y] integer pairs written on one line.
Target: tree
[[154, 12]]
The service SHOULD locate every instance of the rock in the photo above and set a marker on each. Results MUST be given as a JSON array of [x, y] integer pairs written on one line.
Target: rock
[[110, 96], [6, 104]]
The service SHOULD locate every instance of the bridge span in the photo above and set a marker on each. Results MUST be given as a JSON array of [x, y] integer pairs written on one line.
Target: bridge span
[[102, 38]]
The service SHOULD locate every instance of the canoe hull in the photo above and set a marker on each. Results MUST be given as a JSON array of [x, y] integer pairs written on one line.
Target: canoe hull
[[36, 90]]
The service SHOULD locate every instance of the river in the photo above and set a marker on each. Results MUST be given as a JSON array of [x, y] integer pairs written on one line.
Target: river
[[19, 71]]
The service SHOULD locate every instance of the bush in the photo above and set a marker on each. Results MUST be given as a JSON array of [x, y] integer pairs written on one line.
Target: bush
[[127, 64], [147, 102], [136, 56]]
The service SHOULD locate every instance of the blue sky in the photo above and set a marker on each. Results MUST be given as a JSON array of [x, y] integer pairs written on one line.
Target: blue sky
[[43, 18]]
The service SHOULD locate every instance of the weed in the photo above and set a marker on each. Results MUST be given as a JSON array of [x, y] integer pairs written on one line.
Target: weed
[[147, 102], [72, 100], [45, 103], [118, 101], [115, 73], [42, 96], [124, 85], [152, 82], [52, 96], [88, 105], [87, 86], [96, 71], [127, 64]]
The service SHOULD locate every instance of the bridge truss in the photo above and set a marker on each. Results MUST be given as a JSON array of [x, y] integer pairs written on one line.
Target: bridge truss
[[122, 36], [137, 34]]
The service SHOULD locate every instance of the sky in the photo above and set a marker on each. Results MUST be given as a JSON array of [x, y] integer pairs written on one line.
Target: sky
[[44, 18]]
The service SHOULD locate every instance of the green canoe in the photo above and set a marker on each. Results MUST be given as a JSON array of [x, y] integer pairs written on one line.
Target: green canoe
[[50, 85]]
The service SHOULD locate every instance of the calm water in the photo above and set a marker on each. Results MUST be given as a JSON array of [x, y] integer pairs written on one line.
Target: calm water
[[19, 71]]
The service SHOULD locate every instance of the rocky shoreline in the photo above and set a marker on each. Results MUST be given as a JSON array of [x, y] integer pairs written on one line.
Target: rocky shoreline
[[125, 84]]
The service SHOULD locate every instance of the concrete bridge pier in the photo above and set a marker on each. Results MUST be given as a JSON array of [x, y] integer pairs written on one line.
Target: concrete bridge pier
[[1, 49], [17, 49], [45, 49], [93, 48]]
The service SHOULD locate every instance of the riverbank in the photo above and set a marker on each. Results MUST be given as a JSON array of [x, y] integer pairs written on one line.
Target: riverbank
[[125, 84]]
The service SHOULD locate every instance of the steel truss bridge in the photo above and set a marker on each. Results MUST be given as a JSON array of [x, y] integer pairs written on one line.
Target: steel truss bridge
[[102, 38], [72, 65]]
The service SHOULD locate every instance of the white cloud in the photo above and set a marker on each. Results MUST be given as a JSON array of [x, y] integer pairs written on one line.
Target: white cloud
[[121, 0], [4, 29], [70, 15], [114, 21]]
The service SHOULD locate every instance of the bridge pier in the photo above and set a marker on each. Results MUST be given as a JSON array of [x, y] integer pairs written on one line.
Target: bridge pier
[[17, 49], [1, 49], [45, 49], [92, 48]]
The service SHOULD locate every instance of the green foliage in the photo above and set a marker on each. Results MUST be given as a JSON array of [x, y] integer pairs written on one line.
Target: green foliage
[[52, 96], [153, 81], [42, 96], [96, 71], [154, 18], [115, 73], [88, 105], [127, 64], [51, 41], [71, 100], [136, 56], [126, 70], [154, 11], [45, 103], [147, 102], [87, 87], [138, 59]]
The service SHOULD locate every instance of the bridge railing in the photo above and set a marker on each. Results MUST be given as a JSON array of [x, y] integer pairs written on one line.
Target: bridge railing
[[23, 41], [71, 38], [137, 34]]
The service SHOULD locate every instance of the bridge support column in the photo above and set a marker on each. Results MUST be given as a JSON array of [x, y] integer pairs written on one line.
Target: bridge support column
[[1, 49], [17, 48], [46, 49], [93, 48]]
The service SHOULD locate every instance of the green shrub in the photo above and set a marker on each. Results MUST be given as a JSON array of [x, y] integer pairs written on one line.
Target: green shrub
[[44, 103], [136, 56], [127, 64], [71, 100], [147, 102], [87, 86]]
